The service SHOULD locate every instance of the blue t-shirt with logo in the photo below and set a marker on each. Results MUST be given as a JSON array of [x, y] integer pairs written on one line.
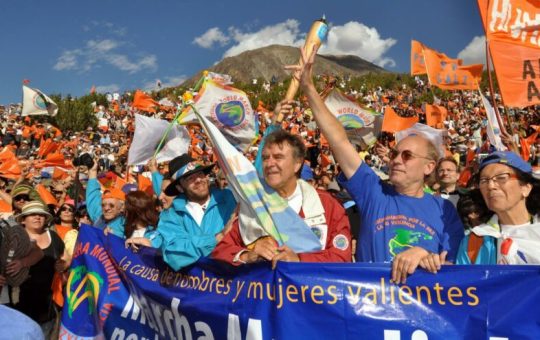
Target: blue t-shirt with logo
[[392, 222]]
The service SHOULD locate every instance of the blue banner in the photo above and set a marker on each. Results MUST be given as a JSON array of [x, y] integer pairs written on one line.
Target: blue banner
[[115, 293]]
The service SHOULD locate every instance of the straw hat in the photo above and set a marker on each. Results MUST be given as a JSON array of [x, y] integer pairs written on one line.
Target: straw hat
[[34, 208]]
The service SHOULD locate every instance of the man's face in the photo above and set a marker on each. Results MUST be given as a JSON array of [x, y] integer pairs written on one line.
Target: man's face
[[111, 208], [404, 170], [196, 187], [280, 166], [447, 173]]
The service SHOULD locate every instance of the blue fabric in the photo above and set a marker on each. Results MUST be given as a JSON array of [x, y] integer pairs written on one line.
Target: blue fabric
[[392, 222], [258, 160], [487, 254], [157, 181], [93, 206], [184, 241], [16, 325]]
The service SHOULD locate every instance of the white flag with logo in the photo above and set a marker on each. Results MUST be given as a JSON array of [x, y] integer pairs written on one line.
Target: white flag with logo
[[228, 109], [147, 136], [224, 79], [348, 112], [493, 128], [36, 102]]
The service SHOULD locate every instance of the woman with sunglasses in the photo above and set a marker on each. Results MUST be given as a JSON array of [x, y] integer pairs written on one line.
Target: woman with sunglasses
[[512, 234], [65, 220]]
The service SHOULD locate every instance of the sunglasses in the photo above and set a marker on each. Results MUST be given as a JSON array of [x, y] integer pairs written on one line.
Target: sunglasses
[[406, 155], [23, 197], [66, 209]]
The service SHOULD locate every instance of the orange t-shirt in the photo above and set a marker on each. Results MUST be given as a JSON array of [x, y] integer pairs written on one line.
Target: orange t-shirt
[[62, 230]]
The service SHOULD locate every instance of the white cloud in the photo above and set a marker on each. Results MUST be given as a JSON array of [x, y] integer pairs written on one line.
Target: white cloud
[[475, 51], [353, 38], [168, 81], [285, 33], [107, 88], [96, 52], [213, 35]]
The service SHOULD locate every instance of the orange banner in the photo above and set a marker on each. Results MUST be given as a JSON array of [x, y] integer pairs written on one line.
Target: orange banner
[[448, 74], [435, 115], [418, 65], [394, 123], [513, 21], [518, 73]]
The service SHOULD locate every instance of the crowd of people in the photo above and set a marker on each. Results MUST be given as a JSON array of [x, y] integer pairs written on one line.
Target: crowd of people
[[413, 201]]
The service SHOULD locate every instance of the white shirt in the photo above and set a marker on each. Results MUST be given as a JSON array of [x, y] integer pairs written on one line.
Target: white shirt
[[196, 210]]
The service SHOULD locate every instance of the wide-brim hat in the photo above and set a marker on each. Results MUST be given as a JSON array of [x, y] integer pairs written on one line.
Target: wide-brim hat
[[33, 208], [181, 167]]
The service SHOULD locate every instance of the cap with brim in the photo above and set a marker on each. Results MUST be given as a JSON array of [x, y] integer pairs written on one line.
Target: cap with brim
[[508, 158], [33, 208], [114, 193], [181, 167]]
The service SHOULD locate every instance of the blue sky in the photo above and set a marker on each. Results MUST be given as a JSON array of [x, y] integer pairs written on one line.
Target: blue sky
[[66, 46]]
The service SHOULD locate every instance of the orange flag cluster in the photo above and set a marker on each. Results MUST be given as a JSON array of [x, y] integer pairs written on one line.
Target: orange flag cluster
[[435, 115], [512, 30], [444, 72]]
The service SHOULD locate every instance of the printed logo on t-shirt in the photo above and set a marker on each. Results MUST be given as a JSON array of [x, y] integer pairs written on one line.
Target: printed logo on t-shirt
[[406, 238]]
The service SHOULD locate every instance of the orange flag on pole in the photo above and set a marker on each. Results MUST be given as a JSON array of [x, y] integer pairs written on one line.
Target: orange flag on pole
[[448, 74], [394, 123], [144, 102], [10, 169], [512, 32]]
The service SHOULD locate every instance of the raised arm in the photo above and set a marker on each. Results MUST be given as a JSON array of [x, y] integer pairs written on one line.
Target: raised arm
[[344, 152]]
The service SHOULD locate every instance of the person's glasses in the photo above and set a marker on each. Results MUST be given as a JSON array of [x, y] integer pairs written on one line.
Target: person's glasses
[[57, 192], [23, 197], [66, 209], [406, 155], [107, 205], [499, 179]]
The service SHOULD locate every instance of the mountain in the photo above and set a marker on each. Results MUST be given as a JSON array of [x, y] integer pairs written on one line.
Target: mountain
[[269, 61]]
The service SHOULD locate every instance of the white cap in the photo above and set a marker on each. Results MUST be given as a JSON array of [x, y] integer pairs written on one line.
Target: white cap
[[435, 136]]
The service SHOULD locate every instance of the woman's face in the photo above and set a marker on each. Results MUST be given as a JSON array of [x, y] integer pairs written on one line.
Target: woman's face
[[501, 189], [34, 221], [66, 214]]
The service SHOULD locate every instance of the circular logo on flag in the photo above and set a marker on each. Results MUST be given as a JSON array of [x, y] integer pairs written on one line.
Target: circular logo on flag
[[341, 242], [230, 113], [39, 102], [350, 121]]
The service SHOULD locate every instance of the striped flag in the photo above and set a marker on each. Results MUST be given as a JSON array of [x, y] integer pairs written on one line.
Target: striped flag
[[259, 203]]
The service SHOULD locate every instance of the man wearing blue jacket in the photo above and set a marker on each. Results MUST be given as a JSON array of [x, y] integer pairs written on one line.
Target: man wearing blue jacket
[[194, 224]]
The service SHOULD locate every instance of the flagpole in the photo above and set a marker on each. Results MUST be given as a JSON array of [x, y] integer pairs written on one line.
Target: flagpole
[[492, 92], [178, 112]]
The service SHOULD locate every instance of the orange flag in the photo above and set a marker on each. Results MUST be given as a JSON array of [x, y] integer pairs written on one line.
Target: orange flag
[[448, 74], [45, 195], [6, 154], [145, 184], [10, 169], [47, 147], [52, 159], [435, 115], [394, 123], [144, 102], [418, 65], [59, 174], [513, 33], [5, 207]]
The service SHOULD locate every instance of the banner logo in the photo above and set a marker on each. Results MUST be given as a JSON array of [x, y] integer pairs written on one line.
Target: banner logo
[[230, 113], [39, 102], [351, 121], [89, 283]]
